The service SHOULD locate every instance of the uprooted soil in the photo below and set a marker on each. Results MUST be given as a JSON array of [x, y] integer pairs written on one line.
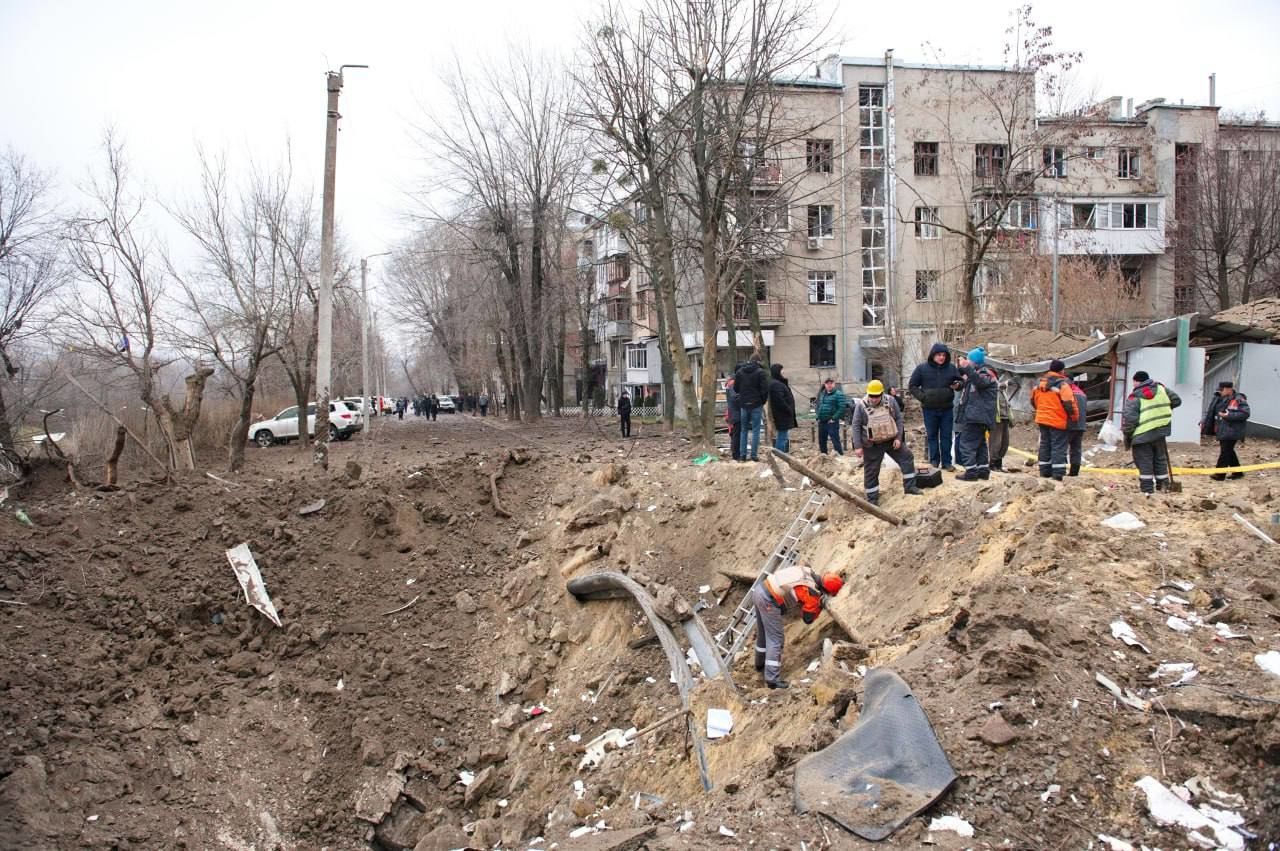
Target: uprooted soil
[[147, 706]]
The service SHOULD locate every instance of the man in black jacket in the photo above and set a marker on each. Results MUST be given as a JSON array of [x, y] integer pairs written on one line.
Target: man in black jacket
[[624, 413], [934, 384], [1225, 419], [782, 406], [752, 384]]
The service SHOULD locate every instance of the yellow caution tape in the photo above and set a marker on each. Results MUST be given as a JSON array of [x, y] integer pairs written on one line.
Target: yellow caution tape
[[1179, 471]]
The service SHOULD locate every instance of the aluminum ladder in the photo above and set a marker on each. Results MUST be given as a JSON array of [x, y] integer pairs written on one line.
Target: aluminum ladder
[[730, 640]]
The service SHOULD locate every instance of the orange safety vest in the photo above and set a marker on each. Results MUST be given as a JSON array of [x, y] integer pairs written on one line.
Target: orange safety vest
[[796, 585]]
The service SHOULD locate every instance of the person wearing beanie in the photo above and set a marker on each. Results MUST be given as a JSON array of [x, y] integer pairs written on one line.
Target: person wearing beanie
[[1076, 429], [1225, 420], [978, 401], [934, 384], [1146, 422], [1056, 409]]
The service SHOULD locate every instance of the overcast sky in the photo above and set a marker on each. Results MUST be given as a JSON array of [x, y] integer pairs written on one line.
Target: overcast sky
[[244, 77]]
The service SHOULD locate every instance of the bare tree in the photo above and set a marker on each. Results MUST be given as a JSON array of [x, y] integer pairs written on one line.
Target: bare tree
[[238, 298], [29, 268], [1229, 215], [116, 315]]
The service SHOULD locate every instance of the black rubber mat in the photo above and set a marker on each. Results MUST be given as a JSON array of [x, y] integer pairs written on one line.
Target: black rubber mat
[[885, 770]]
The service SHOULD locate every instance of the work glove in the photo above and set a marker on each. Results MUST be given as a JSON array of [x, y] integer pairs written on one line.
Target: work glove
[[809, 617]]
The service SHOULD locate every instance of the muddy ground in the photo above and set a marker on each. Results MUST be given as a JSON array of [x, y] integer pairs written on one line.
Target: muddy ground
[[146, 706]]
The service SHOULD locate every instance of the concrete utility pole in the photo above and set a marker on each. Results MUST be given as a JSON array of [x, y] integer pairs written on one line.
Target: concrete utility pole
[[365, 407], [1057, 226], [324, 320]]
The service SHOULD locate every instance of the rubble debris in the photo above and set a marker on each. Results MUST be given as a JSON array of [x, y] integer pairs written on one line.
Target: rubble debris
[[719, 723], [311, 508], [1125, 521], [596, 748], [1126, 697], [955, 824], [378, 795], [997, 732], [1124, 632], [837, 488], [1169, 809], [615, 840], [1269, 662], [255, 592], [465, 603], [1184, 671], [1254, 529], [1114, 844]]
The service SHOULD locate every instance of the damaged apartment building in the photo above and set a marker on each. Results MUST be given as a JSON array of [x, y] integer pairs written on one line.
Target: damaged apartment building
[[901, 211]]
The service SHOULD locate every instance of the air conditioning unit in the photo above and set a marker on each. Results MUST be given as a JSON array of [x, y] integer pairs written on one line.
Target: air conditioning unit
[[814, 243]]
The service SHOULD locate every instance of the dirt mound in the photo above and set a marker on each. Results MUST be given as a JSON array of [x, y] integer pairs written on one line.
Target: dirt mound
[[148, 706]]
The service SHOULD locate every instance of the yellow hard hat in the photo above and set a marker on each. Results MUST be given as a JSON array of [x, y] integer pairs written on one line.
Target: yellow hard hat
[[875, 388]]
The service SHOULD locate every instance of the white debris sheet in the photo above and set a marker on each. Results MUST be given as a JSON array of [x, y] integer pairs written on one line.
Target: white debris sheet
[[1204, 825], [255, 592], [1125, 521], [719, 723], [1124, 632], [952, 823]]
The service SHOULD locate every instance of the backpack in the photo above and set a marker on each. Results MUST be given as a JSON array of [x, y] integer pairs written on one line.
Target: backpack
[[881, 426]]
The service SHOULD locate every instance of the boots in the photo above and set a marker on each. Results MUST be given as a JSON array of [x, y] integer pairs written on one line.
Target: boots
[[873, 498], [779, 684], [1074, 471], [913, 490]]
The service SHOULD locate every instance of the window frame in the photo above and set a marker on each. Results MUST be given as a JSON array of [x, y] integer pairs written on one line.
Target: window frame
[[926, 161], [1128, 163], [642, 350], [822, 286], [931, 278], [989, 153], [929, 225], [1055, 161], [819, 155], [830, 229], [815, 364]]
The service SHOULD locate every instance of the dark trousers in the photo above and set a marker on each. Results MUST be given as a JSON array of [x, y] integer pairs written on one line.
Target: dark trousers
[[435, 412], [1152, 460], [1075, 451], [735, 445], [973, 450], [1053, 452], [998, 444], [625, 421], [873, 456], [829, 430], [484, 410], [1227, 456], [937, 431]]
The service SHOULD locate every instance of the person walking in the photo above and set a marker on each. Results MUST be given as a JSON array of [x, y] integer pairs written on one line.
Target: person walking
[[795, 587], [1055, 407], [433, 406], [484, 404], [877, 431], [752, 384], [400, 408], [934, 384], [1076, 429], [1146, 422], [624, 413], [978, 400], [782, 407], [1225, 419], [733, 416], [831, 408]]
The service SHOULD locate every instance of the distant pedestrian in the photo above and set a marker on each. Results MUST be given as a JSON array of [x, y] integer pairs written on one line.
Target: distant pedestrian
[[934, 384], [1076, 429], [624, 413], [1147, 422], [831, 409], [981, 387], [877, 431], [1225, 420], [782, 408], [733, 415], [1055, 407], [484, 404], [400, 408], [752, 383], [433, 406]]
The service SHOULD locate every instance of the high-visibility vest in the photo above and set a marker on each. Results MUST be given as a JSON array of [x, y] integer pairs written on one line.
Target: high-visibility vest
[[781, 584], [1155, 412]]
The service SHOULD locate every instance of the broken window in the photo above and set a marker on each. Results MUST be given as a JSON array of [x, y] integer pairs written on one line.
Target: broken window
[[927, 223], [822, 351], [1127, 165], [871, 126], [1095, 152], [875, 289], [927, 284], [769, 211], [1132, 275], [1055, 162], [819, 155], [1082, 215], [821, 220], [926, 159], [822, 287], [988, 161]]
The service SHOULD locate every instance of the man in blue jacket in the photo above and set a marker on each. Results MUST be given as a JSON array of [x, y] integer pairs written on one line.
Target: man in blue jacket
[[934, 384]]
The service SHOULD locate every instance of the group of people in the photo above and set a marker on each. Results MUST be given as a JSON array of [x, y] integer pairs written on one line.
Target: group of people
[[746, 393], [423, 406]]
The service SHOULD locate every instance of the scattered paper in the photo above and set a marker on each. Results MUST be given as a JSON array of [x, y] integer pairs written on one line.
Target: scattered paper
[[1124, 632], [466, 778], [995, 509], [719, 723], [1116, 844], [1269, 662], [1172, 599], [578, 832], [1184, 671], [724, 831], [1126, 697], [952, 823], [704, 589], [1177, 624], [1053, 789], [1124, 521], [255, 592], [595, 749], [1167, 808], [1225, 631]]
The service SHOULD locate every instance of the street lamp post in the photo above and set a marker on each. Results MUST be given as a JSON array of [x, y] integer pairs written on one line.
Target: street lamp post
[[324, 312], [365, 406]]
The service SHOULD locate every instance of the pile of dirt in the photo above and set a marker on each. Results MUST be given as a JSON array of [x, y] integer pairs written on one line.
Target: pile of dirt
[[148, 706], [1259, 313]]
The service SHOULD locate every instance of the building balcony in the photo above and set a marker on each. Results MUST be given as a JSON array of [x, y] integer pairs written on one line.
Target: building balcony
[[771, 312], [766, 174], [1072, 241], [616, 329]]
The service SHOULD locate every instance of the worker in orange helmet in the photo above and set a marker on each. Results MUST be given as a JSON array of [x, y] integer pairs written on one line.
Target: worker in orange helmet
[[793, 588]]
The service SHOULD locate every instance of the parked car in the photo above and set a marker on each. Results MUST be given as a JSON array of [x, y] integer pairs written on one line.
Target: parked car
[[446, 404], [344, 421], [356, 404]]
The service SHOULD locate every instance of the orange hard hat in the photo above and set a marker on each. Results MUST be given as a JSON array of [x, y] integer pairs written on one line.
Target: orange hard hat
[[831, 583]]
